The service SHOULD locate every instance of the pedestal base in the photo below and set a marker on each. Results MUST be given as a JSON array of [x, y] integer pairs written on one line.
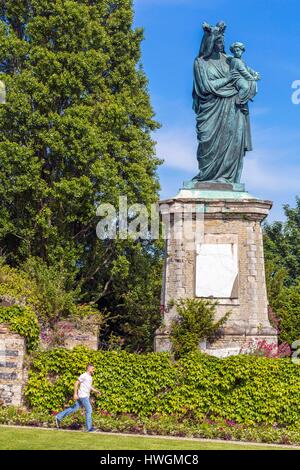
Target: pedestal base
[[213, 185], [225, 263], [228, 345], [232, 345]]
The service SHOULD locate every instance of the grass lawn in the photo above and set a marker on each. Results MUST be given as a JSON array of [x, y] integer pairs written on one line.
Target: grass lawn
[[40, 439]]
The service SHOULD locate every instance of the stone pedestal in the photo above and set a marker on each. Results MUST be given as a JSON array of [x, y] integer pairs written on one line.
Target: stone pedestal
[[222, 260]]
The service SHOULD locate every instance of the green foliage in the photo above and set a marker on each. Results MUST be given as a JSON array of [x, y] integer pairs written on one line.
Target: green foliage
[[275, 279], [282, 254], [75, 133], [287, 308], [17, 286], [282, 244], [134, 300], [244, 389], [22, 320], [52, 283], [195, 323], [129, 382], [44, 290]]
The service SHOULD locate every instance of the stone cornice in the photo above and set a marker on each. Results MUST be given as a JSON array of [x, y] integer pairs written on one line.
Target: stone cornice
[[225, 209]]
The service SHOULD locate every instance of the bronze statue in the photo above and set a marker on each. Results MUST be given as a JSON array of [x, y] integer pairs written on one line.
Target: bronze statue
[[220, 100]]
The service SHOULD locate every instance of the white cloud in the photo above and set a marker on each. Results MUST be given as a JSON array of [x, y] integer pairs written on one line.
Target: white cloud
[[178, 148], [259, 174], [259, 111]]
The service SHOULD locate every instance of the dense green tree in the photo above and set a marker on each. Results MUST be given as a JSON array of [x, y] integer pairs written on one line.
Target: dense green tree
[[282, 244], [76, 132], [282, 255], [287, 308], [134, 299]]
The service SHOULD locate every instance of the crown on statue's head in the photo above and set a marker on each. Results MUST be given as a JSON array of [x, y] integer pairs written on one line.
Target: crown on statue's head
[[219, 28]]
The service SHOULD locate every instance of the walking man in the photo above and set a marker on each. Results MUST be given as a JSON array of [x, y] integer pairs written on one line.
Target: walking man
[[82, 398]]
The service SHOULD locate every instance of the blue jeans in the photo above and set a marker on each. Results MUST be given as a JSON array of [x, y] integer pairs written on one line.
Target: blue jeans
[[81, 402]]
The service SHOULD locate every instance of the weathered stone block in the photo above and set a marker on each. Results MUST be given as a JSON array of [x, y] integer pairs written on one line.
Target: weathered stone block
[[12, 351], [85, 333]]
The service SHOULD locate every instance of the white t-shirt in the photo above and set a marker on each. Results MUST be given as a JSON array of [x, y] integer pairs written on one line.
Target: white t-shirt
[[86, 381]]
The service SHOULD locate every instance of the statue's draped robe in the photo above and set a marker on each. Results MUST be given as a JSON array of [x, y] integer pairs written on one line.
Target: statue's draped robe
[[223, 130]]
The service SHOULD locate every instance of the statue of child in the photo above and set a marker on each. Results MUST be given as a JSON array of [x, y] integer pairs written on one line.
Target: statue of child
[[245, 77]]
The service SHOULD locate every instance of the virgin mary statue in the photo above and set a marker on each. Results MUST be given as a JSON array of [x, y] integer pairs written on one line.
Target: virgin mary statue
[[223, 128]]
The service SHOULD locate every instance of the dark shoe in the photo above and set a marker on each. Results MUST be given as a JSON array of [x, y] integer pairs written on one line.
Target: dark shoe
[[92, 430], [57, 422]]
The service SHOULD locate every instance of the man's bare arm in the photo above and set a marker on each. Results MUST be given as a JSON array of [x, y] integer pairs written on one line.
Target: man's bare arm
[[96, 391], [76, 385]]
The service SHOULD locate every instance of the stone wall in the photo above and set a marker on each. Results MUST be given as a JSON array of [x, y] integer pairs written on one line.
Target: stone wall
[[225, 221], [69, 335], [12, 351]]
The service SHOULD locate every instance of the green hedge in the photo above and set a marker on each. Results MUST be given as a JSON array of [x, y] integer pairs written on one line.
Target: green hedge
[[22, 320], [244, 389]]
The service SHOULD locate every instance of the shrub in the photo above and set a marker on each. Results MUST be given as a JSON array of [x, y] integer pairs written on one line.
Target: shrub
[[22, 320], [288, 311], [57, 299], [17, 287], [195, 323], [46, 291]]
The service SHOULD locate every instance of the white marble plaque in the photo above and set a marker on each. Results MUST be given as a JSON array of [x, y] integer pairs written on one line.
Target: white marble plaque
[[217, 270]]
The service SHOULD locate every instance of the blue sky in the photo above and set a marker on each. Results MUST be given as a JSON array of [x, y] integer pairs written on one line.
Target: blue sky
[[271, 33]]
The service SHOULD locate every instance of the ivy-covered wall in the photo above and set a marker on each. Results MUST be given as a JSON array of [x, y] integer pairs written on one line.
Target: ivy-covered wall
[[245, 389]]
